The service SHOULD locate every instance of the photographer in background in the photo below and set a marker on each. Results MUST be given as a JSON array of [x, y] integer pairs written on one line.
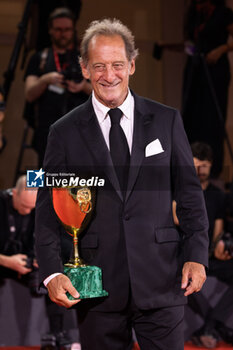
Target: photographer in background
[[220, 261], [17, 234], [54, 82], [17, 259]]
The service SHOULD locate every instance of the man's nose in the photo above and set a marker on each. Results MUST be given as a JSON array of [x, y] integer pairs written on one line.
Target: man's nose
[[109, 74]]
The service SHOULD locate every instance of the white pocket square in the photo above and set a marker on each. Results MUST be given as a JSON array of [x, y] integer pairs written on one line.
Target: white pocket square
[[153, 148]]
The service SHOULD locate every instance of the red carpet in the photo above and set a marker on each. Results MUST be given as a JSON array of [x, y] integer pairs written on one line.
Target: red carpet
[[188, 346]]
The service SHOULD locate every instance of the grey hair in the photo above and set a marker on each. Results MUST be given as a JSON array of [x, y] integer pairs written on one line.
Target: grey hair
[[108, 27]]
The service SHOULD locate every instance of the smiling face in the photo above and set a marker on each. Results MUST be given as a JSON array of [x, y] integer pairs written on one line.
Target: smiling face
[[108, 69]]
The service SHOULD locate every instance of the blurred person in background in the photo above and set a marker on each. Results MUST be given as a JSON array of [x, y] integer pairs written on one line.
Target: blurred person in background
[[17, 257], [17, 215], [42, 12], [54, 81], [220, 257], [207, 30], [208, 26]]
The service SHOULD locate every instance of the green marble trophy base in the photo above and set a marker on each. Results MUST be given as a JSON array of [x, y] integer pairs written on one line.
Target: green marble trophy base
[[87, 280]]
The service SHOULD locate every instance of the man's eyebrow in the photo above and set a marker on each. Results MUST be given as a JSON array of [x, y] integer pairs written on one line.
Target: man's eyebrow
[[104, 64]]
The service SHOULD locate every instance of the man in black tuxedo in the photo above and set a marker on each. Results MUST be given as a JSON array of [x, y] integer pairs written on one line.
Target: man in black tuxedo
[[148, 267]]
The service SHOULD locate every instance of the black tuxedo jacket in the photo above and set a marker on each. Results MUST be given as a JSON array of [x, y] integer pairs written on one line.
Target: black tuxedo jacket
[[135, 241]]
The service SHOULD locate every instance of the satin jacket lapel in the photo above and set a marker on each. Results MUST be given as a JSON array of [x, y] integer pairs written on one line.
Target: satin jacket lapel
[[89, 128]]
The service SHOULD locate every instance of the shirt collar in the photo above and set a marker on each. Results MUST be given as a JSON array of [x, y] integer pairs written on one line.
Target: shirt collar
[[102, 110]]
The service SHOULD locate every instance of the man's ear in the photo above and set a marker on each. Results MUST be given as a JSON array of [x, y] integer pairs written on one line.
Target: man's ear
[[85, 71], [132, 67]]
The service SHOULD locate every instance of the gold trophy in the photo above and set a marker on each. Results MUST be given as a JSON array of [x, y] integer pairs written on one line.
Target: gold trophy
[[73, 207]]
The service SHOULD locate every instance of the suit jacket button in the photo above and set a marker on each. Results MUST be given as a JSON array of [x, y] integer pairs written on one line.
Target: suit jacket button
[[127, 217]]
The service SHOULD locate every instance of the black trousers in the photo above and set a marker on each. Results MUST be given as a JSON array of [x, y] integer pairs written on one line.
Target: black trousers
[[157, 329]]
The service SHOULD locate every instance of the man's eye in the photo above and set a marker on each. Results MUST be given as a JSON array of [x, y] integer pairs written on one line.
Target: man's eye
[[99, 68], [118, 66]]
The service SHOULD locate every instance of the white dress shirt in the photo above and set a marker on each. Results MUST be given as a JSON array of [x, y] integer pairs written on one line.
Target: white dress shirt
[[126, 122]]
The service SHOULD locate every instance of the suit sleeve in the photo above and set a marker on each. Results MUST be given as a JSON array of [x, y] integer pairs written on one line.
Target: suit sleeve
[[47, 226], [191, 209]]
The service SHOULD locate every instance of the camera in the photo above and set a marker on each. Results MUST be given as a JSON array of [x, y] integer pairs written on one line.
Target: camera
[[32, 278], [73, 73], [227, 238], [29, 263]]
